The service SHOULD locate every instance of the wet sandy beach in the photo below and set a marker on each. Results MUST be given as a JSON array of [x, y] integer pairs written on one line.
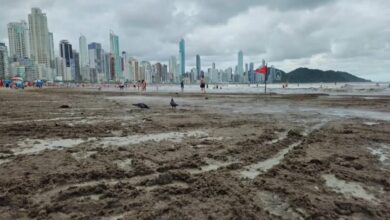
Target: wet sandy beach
[[217, 156]]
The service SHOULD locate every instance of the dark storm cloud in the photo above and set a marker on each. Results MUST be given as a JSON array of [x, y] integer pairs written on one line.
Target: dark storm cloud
[[328, 34], [218, 11]]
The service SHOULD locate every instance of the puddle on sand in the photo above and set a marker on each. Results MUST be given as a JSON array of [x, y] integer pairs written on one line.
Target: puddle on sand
[[213, 138], [383, 153], [277, 207], [117, 133], [347, 188], [281, 136], [82, 155], [118, 217], [253, 170], [4, 161], [46, 195], [315, 127], [174, 184], [137, 139], [124, 165], [33, 146], [370, 123], [211, 165], [93, 197]]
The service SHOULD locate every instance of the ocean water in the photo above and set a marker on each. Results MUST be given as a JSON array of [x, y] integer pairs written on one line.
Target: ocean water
[[369, 89]]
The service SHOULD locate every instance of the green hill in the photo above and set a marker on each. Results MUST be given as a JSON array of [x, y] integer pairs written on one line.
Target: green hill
[[305, 75]]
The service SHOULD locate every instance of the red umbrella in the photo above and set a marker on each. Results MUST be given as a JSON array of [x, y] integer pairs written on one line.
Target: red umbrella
[[17, 78]]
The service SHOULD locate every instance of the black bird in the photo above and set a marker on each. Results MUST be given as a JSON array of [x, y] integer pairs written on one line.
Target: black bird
[[173, 103], [141, 105]]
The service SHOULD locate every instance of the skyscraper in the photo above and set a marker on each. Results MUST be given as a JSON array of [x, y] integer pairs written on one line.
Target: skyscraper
[[147, 69], [51, 50], [172, 65], [39, 36], [164, 73], [76, 58], [66, 53], [252, 73], [198, 67], [134, 69], [240, 63], [60, 68], [83, 58], [83, 51], [3, 61], [106, 66], [19, 40], [114, 49], [156, 78], [96, 60], [182, 51]]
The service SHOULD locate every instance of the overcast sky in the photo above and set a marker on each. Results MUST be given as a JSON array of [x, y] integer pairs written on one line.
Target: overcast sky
[[345, 35]]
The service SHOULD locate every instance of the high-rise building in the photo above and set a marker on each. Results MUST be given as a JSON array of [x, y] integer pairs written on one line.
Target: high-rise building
[[76, 58], [252, 73], [39, 36], [19, 40], [51, 50], [83, 58], [114, 49], [3, 61], [31, 70], [164, 73], [182, 51], [147, 70], [106, 66], [96, 61], [84, 61], [125, 66], [198, 67], [172, 66], [240, 63], [156, 77], [214, 73], [134, 69], [66, 53], [60, 69], [245, 78]]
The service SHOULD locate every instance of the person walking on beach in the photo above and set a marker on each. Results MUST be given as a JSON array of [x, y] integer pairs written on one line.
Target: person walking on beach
[[182, 86], [143, 86], [202, 85]]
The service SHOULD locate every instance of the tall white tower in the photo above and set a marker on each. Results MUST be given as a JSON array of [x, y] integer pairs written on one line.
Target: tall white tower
[[3, 61], [240, 63], [83, 51], [84, 59], [173, 68], [19, 40], [39, 37], [51, 50]]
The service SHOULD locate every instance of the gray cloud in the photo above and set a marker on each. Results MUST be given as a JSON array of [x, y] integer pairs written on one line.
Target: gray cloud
[[349, 35]]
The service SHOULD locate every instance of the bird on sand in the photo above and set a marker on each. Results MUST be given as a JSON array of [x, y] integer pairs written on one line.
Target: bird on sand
[[141, 105], [173, 103]]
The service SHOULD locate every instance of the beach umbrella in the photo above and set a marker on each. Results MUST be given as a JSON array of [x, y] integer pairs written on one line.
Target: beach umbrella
[[17, 78]]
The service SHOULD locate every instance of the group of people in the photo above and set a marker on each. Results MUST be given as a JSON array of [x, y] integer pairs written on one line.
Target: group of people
[[202, 85], [20, 84], [140, 85]]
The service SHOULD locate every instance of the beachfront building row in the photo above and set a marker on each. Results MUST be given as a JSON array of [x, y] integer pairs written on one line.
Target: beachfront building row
[[31, 55]]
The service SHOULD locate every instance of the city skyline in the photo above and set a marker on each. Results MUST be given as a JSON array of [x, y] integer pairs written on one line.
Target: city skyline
[[315, 41]]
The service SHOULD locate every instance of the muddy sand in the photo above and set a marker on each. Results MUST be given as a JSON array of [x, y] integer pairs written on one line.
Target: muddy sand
[[74, 154]]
